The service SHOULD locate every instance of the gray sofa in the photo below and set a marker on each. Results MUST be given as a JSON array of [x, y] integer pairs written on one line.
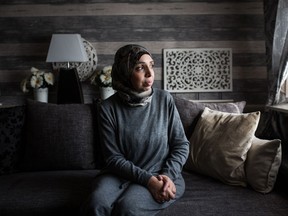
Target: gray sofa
[[49, 155]]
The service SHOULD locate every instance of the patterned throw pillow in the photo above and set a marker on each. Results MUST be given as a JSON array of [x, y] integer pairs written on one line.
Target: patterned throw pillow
[[11, 126]]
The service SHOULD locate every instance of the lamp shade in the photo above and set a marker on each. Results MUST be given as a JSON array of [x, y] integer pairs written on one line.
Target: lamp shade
[[66, 48]]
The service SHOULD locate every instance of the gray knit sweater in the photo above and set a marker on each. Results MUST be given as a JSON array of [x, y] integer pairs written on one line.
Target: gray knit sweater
[[142, 141]]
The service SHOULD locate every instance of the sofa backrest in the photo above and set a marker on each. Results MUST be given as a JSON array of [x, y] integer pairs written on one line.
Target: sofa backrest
[[65, 136], [42, 136]]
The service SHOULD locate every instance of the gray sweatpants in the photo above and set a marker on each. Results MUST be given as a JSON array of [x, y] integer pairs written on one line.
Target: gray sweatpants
[[114, 196]]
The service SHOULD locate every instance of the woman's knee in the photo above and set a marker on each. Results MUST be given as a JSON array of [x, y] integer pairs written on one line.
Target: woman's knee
[[126, 206], [96, 205], [105, 192], [136, 200]]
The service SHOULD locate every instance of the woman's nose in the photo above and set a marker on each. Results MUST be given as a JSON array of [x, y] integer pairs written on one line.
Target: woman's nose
[[148, 72]]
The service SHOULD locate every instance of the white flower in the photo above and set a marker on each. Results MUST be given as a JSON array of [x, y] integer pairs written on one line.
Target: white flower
[[24, 85], [49, 78], [103, 78], [34, 70], [37, 79], [107, 69]]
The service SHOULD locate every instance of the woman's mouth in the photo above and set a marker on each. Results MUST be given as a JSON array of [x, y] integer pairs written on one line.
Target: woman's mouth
[[148, 83]]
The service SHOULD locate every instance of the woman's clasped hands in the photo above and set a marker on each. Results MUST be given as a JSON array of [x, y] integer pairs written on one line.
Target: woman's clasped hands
[[162, 188]]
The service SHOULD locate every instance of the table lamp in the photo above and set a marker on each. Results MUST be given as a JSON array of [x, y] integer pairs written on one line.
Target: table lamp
[[67, 48]]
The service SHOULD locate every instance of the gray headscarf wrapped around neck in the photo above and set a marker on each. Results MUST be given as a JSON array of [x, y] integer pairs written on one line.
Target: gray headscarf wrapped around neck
[[124, 62]]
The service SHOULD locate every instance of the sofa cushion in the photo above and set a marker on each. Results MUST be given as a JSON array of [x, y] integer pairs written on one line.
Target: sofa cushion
[[11, 128], [59, 136], [45, 193], [220, 143], [190, 111], [262, 164], [205, 196]]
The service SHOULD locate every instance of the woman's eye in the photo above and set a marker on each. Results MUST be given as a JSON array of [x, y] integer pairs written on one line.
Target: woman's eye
[[139, 68]]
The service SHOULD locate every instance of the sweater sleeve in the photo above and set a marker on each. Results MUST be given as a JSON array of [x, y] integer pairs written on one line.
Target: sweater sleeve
[[178, 144], [115, 160]]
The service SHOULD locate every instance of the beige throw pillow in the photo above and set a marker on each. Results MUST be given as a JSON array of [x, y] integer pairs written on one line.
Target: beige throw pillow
[[219, 145], [262, 164]]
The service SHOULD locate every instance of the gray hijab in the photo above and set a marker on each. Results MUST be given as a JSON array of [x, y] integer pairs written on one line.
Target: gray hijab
[[124, 62]]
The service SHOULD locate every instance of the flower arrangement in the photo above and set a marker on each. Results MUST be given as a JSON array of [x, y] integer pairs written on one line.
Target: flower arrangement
[[37, 79], [103, 78]]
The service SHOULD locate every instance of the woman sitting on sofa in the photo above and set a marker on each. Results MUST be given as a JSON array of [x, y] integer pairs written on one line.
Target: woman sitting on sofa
[[144, 144]]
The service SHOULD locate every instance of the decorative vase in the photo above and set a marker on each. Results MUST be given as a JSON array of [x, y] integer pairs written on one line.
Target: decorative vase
[[41, 94], [106, 92]]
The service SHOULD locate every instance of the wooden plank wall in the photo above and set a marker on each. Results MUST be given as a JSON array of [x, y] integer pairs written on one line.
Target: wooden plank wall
[[27, 25]]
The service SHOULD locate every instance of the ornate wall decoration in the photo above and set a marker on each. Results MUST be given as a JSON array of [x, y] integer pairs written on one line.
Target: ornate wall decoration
[[198, 70]]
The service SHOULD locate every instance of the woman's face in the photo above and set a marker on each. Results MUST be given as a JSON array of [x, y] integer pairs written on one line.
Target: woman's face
[[142, 77]]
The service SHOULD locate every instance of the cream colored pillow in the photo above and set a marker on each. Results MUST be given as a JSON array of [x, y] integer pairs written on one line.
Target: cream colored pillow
[[219, 145], [262, 164]]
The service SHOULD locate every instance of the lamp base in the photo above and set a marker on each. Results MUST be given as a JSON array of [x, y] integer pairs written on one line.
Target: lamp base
[[69, 87]]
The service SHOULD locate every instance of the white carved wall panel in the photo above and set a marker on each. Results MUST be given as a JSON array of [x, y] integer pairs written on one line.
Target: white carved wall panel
[[198, 70]]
